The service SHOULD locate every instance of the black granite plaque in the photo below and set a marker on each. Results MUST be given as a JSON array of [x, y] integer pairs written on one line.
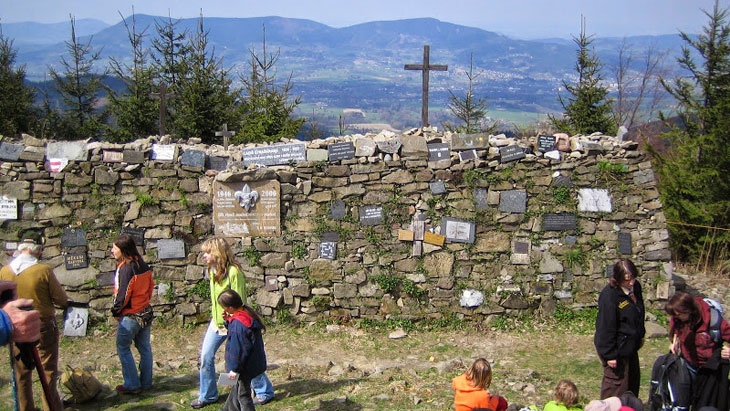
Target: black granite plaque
[[275, 155], [76, 261], [371, 215], [513, 201], [73, 237], [559, 222], [170, 249], [545, 143], [137, 235], [511, 153], [437, 187], [480, 198], [338, 210], [438, 151], [624, 243], [330, 237], [458, 231], [467, 155], [328, 250], [133, 156], [105, 279], [609, 271], [340, 151], [216, 163], [10, 152], [521, 247], [193, 158]]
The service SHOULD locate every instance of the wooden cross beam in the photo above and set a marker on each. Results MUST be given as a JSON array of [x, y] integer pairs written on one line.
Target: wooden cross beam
[[225, 134], [425, 68], [163, 95]]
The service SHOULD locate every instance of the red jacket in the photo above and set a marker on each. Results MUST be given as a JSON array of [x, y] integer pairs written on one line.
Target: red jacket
[[696, 345], [133, 287]]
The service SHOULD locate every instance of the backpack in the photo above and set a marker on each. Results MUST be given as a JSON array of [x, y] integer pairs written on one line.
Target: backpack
[[716, 312], [671, 384], [81, 384]]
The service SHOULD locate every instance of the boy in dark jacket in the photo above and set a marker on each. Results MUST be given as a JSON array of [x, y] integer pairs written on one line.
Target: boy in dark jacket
[[245, 355]]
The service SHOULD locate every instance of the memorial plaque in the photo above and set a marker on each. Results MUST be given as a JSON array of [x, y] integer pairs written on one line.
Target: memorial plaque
[[8, 208], [462, 141], [545, 143], [105, 279], [137, 235], [330, 236], [275, 155], [193, 158], [513, 201], [73, 237], [317, 154], [389, 146], [437, 187], [68, 150], [405, 235], [76, 261], [593, 199], [458, 231], [133, 156], [521, 247], [164, 152], [340, 151], [10, 152], [110, 156], [624, 243], [438, 151], [434, 239], [559, 222], [467, 155], [76, 322], [511, 153], [371, 215], [338, 210], [328, 250], [242, 209], [609, 271], [216, 163], [562, 181], [480, 198], [170, 249], [272, 283]]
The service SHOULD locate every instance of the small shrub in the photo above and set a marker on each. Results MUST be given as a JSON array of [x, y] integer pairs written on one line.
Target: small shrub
[[386, 282], [299, 250], [201, 290], [252, 255]]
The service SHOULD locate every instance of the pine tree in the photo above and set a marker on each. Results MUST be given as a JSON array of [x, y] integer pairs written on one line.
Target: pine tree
[[588, 109], [16, 99], [472, 111], [694, 177]]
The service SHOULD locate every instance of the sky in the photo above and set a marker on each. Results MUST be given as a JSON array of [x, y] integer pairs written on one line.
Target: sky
[[522, 19]]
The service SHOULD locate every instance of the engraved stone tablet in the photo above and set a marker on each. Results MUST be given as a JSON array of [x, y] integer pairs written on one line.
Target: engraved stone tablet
[[328, 250], [272, 284], [389, 146], [434, 239], [76, 261], [69, 150], [437, 187], [275, 155], [337, 210], [513, 201], [559, 221], [10, 152], [133, 156], [371, 215], [545, 143], [462, 141], [316, 154], [480, 198], [76, 322], [439, 151], [624, 243], [330, 236], [216, 163], [340, 151], [164, 152], [73, 237], [458, 231], [511, 153], [609, 271], [467, 155], [596, 200], [110, 156], [193, 158], [8, 208], [170, 249], [247, 208], [521, 247], [137, 235]]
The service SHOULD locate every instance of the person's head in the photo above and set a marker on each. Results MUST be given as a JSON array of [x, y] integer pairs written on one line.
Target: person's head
[[31, 242], [683, 309], [218, 255], [566, 393], [124, 248], [231, 302], [624, 274], [480, 374]]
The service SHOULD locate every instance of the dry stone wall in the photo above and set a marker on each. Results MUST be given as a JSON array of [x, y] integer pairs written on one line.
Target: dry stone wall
[[415, 225]]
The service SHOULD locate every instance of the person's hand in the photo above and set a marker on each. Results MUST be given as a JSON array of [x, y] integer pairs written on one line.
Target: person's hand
[[725, 353], [612, 363], [674, 345], [26, 324]]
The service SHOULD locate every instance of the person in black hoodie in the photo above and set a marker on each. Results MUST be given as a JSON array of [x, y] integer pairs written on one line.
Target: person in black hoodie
[[620, 330], [245, 356]]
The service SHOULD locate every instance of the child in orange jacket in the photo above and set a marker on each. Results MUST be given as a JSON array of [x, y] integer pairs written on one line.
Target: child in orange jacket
[[471, 389]]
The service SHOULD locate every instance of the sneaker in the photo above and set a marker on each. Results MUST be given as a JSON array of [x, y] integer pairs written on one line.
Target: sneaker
[[124, 390], [260, 401], [196, 403]]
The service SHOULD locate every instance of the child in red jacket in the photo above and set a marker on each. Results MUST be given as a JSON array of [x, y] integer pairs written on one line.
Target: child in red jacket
[[471, 389]]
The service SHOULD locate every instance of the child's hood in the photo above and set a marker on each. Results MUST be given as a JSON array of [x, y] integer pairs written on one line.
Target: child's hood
[[244, 318]]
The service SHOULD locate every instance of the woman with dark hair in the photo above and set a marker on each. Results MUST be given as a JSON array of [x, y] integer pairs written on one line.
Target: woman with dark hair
[[133, 285], [620, 330], [689, 331]]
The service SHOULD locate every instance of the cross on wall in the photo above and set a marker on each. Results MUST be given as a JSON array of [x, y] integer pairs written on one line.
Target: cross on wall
[[425, 68]]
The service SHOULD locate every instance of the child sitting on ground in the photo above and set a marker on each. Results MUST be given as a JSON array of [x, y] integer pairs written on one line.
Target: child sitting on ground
[[471, 389], [565, 397]]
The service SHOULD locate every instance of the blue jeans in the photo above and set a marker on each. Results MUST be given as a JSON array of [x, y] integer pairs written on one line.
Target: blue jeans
[[129, 331], [261, 384]]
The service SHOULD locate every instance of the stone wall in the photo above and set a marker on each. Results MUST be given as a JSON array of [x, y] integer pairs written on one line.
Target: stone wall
[[498, 257]]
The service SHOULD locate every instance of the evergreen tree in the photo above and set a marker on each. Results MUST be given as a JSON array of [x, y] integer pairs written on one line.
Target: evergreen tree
[[16, 99], [134, 112], [472, 111], [265, 111], [588, 109], [79, 87], [694, 176]]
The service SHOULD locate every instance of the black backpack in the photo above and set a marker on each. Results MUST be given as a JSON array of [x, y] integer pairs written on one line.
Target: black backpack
[[671, 384]]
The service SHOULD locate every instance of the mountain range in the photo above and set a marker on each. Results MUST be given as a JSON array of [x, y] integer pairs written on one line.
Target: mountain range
[[361, 66]]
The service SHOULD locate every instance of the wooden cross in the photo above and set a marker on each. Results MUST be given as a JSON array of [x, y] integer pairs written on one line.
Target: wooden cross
[[425, 68], [225, 134], [163, 96]]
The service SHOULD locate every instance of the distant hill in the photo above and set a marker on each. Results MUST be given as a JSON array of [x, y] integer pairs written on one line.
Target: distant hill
[[28, 33]]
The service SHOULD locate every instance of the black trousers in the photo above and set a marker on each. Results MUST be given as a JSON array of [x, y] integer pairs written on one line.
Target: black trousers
[[625, 377]]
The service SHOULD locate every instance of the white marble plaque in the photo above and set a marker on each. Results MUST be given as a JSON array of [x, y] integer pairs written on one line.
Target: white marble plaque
[[595, 200], [8, 208]]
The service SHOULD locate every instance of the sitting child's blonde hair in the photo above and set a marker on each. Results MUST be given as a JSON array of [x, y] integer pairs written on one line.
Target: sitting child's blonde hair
[[566, 393], [480, 374]]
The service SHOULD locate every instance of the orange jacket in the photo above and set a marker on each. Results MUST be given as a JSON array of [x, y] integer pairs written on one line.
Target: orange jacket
[[468, 397], [133, 287]]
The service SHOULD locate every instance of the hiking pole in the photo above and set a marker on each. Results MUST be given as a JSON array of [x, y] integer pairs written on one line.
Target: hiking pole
[[12, 379], [30, 357]]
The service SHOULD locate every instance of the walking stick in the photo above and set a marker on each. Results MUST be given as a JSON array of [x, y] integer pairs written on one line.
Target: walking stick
[[31, 348]]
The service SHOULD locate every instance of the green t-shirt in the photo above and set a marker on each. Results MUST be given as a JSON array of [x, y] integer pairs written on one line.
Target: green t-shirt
[[234, 281]]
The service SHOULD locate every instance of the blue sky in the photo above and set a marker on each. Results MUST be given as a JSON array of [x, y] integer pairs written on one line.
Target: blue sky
[[525, 19]]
